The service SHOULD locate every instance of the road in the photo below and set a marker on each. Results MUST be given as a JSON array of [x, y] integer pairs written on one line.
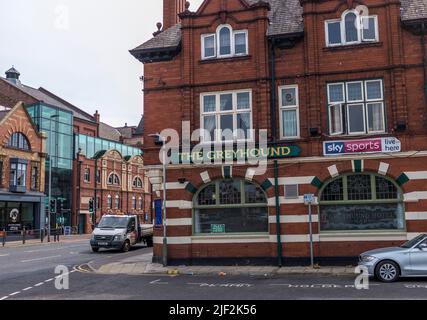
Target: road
[[28, 273], [25, 269]]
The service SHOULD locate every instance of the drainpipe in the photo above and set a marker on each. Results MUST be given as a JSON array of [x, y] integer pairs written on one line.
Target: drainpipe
[[95, 202], [274, 136], [278, 231], [423, 50], [273, 90]]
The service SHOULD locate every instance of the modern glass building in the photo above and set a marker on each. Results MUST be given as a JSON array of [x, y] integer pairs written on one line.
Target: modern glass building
[[58, 125], [90, 145]]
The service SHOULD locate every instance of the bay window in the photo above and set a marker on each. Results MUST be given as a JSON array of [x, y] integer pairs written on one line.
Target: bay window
[[224, 43], [289, 112], [351, 28], [356, 107], [226, 116]]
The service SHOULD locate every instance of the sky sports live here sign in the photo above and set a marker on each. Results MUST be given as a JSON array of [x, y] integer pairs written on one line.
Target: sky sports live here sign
[[380, 145]]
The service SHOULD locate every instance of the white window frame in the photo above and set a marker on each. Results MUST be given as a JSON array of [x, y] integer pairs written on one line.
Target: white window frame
[[340, 105], [347, 107], [217, 41], [218, 113], [327, 22], [245, 32], [218, 36], [375, 17], [360, 37], [204, 36], [295, 107], [365, 102], [362, 93]]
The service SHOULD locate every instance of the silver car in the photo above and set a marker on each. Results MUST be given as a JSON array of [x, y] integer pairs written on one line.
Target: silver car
[[388, 264]]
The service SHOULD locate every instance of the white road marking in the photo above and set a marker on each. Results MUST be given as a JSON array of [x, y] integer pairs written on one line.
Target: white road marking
[[39, 284], [158, 282], [49, 280], [51, 249], [15, 293], [5, 255], [26, 289], [38, 259], [4, 298]]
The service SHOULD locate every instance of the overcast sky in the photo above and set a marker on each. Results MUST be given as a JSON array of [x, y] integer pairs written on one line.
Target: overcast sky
[[78, 49]]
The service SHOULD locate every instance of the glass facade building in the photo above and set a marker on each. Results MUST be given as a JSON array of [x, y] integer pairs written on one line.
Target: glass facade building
[[58, 125], [90, 145]]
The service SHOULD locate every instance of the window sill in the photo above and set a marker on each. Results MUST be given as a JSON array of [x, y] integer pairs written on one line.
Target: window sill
[[240, 236], [359, 136], [361, 234], [17, 189], [226, 59], [354, 46]]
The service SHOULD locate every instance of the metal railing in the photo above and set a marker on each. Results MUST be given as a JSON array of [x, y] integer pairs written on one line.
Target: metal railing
[[25, 234]]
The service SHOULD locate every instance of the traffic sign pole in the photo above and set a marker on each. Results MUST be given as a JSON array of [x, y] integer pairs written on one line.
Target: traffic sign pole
[[308, 200]]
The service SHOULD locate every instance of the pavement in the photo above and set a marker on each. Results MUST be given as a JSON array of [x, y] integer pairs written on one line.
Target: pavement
[[142, 264], [32, 242]]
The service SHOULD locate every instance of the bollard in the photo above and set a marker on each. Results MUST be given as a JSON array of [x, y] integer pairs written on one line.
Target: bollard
[[4, 237], [41, 235], [58, 231], [23, 235]]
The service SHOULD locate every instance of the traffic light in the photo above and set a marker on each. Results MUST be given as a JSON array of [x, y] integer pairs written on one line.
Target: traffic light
[[59, 206], [91, 206], [52, 206]]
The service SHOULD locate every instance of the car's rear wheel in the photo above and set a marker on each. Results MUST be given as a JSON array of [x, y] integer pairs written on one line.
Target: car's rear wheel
[[387, 271]]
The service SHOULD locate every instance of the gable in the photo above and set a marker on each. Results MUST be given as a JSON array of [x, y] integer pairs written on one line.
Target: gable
[[215, 6]]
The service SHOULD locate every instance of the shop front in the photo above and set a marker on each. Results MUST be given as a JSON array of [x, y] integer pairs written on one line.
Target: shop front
[[19, 212]]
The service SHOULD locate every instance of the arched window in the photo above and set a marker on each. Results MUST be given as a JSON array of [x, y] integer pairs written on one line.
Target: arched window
[[117, 202], [361, 202], [230, 206], [113, 179], [351, 27], [140, 203], [134, 203], [109, 202], [19, 141], [137, 182], [87, 175], [224, 36]]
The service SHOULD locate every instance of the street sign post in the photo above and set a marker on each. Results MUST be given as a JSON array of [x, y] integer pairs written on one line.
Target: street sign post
[[309, 201]]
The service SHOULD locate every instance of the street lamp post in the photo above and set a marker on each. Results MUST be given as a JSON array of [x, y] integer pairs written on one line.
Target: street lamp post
[[165, 240], [50, 176]]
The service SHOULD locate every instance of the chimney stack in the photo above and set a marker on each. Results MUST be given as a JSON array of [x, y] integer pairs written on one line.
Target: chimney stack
[[171, 9], [97, 117]]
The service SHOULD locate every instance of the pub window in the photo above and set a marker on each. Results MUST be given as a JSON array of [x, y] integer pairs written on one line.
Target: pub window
[[230, 206], [226, 116], [289, 112], [356, 107], [351, 28], [361, 202], [18, 141]]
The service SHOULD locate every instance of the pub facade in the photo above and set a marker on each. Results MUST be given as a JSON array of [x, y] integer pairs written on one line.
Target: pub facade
[[338, 85]]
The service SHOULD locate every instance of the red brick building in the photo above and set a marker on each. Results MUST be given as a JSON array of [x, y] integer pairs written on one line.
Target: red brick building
[[80, 137], [340, 82], [22, 172]]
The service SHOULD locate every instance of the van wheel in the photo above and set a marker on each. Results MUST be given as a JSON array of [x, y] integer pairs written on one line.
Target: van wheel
[[387, 271], [126, 246], [95, 249], [150, 242]]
